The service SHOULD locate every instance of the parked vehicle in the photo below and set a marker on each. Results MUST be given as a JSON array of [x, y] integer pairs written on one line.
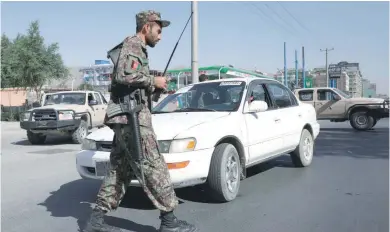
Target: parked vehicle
[[334, 105], [211, 132], [66, 113]]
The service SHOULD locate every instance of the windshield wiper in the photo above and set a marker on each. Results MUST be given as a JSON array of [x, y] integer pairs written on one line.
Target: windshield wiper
[[193, 110], [160, 112]]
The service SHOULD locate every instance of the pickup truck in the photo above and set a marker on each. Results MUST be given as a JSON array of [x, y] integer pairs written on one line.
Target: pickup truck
[[66, 113], [336, 106]]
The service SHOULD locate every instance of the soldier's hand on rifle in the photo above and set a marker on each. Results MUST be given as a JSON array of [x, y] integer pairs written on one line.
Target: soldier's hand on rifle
[[160, 82]]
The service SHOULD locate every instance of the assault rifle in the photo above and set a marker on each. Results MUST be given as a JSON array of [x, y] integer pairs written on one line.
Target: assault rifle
[[128, 102]]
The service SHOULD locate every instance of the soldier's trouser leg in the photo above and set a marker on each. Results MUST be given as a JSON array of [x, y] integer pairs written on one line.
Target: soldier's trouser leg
[[158, 185], [112, 189], [116, 181]]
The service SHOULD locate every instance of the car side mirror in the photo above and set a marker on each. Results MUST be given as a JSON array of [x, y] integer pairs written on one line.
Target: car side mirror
[[93, 102], [256, 106]]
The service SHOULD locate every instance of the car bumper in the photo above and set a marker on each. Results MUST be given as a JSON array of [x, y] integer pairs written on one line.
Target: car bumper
[[316, 129], [194, 173], [50, 125], [384, 112]]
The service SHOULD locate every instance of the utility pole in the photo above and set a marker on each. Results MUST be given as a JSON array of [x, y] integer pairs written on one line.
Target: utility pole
[[285, 66], [326, 63], [296, 68], [303, 68], [194, 42]]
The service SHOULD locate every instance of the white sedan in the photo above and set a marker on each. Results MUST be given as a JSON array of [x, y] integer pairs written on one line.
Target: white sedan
[[211, 132]]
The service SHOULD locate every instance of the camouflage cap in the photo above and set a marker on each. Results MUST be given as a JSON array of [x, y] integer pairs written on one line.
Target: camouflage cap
[[144, 17]]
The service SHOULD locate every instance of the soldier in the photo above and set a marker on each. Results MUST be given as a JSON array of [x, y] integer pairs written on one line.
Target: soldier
[[203, 77], [133, 70]]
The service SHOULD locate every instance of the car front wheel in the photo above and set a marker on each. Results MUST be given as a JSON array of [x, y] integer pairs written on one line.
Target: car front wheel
[[224, 174], [303, 154], [361, 121]]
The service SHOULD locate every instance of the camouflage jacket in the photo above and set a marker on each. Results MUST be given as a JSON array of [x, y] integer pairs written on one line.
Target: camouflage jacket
[[132, 70]]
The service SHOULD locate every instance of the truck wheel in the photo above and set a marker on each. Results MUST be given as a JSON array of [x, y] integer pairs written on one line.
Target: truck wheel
[[224, 173], [36, 138], [303, 154], [79, 135], [375, 121], [361, 120]]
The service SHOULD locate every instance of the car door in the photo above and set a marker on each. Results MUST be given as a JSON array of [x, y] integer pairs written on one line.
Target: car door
[[263, 128], [100, 109], [306, 96], [329, 104], [288, 113]]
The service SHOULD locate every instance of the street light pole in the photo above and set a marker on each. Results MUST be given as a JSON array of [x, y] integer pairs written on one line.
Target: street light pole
[[326, 63], [194, 42]]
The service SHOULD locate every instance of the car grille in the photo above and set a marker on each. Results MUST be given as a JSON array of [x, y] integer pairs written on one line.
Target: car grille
[[104, 146], [44, 115]]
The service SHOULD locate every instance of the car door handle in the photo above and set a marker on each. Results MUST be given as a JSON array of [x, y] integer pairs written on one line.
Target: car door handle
[[300, 115], [277, 119]]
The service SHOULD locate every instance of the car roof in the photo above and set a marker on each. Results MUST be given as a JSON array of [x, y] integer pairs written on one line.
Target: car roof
[[74, 91], [246, 79], [313, 88]]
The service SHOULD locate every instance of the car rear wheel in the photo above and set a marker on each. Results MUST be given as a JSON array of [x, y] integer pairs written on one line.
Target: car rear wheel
[[36, 138], [224, 174], [361, 120], [303, 154]]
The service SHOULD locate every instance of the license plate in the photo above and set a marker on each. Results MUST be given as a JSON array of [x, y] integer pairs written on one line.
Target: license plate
[[102, 168], [42, 123]]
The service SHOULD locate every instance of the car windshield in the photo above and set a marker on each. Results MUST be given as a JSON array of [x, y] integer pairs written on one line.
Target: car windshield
[[65, 98], [342, 93], [208, 96]]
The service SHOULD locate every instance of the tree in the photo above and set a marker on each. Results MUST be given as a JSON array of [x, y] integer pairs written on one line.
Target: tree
[[29, 63]]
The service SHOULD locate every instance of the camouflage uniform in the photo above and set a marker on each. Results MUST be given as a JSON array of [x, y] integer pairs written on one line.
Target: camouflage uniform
[[133, 69]]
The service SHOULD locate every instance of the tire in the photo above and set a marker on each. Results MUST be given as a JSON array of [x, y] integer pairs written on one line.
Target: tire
[[303, 154], [221, 190], [361, 121], [80, 133], [35, 138], [375, 121]]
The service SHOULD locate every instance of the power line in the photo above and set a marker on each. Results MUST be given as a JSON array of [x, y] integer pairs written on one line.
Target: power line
[[276, 13], [263, 13], [292, 16]]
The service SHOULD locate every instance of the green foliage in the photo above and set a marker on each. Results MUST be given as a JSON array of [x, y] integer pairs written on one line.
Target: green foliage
[[27, 62]]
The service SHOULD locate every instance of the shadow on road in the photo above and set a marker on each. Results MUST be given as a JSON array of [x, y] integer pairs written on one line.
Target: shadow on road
[[372, 144], [55, 140], [74, 200], [201, 193]]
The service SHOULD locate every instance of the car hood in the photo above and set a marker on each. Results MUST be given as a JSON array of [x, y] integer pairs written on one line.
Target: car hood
[[103, 134], [366, 100], [166, 126], [169, 125], [77, 108]]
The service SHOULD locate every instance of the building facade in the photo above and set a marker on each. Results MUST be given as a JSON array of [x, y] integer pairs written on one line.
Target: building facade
[[369, 89], [344, 69]]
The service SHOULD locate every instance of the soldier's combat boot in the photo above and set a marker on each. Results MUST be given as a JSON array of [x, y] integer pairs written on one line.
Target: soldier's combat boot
[[169, 223], [96, 223]]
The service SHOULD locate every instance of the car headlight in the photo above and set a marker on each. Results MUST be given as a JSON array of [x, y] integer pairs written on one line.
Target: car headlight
[[177, 145], [65, 115], [26, 116], [88, 144]]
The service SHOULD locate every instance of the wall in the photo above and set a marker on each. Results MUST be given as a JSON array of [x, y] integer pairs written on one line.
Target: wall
[[13, 97]]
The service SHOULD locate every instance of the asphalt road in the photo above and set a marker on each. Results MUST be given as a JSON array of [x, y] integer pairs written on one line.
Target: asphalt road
[[345, 189]]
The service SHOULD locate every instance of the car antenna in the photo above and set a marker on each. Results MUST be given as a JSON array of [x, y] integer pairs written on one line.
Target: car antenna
[[157, 95]]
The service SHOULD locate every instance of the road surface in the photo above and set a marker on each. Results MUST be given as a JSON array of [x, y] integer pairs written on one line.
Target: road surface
[[346, 189]]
